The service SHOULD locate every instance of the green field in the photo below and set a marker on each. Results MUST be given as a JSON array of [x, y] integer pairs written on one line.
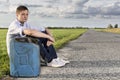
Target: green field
[[62, 36]]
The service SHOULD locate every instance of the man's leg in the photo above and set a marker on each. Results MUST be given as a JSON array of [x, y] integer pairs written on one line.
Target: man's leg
[[52, 51], [49, 54], [44, 53]]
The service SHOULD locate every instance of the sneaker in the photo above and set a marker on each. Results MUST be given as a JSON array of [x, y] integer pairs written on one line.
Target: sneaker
[[55, 63], [64, 61]]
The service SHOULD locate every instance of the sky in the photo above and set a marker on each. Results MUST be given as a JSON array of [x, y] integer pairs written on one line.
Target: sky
[[66, 9]]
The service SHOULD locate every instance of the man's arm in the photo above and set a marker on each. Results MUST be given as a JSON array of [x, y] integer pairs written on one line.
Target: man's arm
[[48, 32], [36, 33]]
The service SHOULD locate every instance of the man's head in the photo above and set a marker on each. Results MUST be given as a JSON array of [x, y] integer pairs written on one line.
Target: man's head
[[22, 13]]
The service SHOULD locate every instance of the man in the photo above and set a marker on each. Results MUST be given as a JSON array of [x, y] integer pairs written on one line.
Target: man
[[20, 28]]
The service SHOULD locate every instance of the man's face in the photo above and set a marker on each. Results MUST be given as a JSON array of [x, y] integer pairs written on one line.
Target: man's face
[[22, 16]]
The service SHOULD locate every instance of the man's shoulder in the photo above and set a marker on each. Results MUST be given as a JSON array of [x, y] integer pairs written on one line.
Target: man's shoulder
[[14, 23]]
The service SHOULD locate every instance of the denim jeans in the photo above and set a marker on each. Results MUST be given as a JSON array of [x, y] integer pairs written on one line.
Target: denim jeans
[[47, 52]]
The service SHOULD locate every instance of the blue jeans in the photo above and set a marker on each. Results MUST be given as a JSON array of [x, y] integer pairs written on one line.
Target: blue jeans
[[47, 52]]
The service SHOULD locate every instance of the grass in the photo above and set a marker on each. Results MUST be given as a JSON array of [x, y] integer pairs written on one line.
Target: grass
[[62, 36], [113, 30], [4, 60]]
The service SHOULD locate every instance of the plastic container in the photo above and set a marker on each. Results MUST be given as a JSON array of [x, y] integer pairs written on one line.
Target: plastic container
[[24, 59]]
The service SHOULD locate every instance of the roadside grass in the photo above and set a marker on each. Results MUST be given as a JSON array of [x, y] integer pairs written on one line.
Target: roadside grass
[[4, 60], [112, 30], [62, 36]]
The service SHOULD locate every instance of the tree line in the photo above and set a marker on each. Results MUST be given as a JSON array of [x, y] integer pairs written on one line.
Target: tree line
[[111, 26]]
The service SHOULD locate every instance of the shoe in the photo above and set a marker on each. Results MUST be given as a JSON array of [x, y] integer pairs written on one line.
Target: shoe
[[56, 63], [64, 61]]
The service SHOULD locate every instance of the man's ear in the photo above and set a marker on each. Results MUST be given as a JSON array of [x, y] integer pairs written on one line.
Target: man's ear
[[16, 14]]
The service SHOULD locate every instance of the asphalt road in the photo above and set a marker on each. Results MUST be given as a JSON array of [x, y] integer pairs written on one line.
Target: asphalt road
[[93, 56]]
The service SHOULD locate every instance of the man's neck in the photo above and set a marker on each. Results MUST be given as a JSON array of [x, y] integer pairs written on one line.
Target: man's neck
[[21, 22]]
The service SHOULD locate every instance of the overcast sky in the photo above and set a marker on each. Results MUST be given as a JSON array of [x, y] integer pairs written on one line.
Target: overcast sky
[[65, 8]]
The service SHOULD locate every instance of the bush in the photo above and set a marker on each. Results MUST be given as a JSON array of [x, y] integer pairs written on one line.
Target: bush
[[110, 26]]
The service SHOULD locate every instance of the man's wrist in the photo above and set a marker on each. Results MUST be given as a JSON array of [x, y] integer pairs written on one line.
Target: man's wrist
[[48, 36]]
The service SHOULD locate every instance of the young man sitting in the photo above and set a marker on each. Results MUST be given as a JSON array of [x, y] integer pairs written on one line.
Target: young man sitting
[[20, 28]]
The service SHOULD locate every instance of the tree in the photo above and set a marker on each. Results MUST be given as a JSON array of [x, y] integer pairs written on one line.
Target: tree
[[116, 26], [110, 26]]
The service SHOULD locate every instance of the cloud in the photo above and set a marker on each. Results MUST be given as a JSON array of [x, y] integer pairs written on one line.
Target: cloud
[[113, 9], [7, 1], [66, 8], [4, 12], [105, 11], [4, 7], [79, 2]]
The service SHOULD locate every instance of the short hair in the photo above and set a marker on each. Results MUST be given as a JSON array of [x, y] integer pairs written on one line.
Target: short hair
[[21, 8]]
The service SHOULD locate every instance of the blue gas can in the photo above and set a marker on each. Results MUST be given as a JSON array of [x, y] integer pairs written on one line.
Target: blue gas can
[[24, 59]]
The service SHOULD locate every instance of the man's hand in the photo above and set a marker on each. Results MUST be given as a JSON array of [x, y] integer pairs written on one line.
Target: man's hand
[[51, 39], [49, 43]]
